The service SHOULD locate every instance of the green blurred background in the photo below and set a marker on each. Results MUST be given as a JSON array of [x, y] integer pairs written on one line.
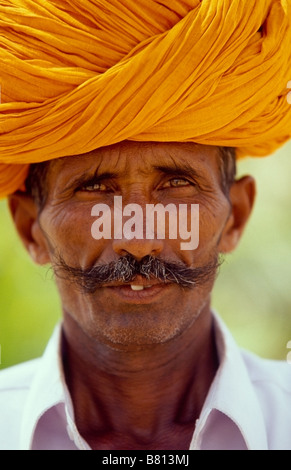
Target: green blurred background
[[252, 293]]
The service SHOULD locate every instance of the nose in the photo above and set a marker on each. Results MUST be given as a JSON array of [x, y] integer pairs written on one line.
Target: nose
[[137, 248], [133, 235]]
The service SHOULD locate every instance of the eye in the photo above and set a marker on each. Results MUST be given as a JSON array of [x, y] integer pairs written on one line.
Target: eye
[[91, 187], [177, 183]]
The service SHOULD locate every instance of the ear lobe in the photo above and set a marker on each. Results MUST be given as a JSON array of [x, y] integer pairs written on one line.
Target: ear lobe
[[242, 198], [25, 216]]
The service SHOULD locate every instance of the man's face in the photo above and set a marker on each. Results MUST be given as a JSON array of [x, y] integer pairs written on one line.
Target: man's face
[[141, 173]]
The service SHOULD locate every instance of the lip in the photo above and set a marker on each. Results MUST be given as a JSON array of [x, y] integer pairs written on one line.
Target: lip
[[148, 295], [137, 281]]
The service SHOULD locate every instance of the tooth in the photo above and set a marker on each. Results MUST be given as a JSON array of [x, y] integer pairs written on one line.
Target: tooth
[[147, 287], [133, 287]]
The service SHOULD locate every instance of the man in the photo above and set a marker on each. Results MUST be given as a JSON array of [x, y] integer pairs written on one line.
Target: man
[[130, 104]]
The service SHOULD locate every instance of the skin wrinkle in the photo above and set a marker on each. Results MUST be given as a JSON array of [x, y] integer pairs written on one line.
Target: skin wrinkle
[[118, 153], [150, 363], [37, 177]]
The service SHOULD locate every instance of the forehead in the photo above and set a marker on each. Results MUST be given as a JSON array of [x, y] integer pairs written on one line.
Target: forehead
[[128, 158]]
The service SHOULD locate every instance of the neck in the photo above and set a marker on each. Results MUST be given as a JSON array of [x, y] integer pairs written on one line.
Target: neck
[[140, 392]]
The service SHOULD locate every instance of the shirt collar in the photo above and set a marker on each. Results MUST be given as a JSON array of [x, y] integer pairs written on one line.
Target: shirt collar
[[46, 391], [49, 395], [231, 399]]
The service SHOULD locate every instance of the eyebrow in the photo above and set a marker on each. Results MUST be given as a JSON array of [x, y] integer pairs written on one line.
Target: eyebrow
[[88, 177], [182, 169]]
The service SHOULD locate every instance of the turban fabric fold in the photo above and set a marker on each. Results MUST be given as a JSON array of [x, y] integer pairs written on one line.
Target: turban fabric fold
[[79, 75]]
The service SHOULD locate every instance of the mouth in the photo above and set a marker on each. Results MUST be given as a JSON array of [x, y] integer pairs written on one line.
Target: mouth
[[139, 291], [139, 288]]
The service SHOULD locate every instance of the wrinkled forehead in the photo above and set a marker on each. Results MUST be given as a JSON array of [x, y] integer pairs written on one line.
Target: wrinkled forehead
[[129, 158]]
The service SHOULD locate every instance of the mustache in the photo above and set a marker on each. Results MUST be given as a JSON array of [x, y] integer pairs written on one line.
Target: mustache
[[127, 268]]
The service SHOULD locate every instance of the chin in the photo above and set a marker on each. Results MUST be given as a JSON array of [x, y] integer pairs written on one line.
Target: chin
[[138, 330]]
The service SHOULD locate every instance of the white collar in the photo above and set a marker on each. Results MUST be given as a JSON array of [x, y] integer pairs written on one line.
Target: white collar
[[231, 394], [231, 400], [49, 392]]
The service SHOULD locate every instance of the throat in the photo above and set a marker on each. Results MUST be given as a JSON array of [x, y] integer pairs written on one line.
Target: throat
[[133, 400], [173, 438]]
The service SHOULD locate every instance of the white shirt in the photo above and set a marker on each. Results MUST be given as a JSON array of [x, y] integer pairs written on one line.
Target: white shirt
[[248, 406]]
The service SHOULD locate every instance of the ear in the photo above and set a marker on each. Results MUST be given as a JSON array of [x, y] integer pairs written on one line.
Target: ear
[[24, 213], [242, 197]]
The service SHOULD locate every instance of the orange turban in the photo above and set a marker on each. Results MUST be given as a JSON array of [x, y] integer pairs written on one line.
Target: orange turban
[[78, 75]]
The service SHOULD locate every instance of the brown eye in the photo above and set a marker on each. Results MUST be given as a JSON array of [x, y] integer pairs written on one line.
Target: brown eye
[[177, 183], [94, 187]]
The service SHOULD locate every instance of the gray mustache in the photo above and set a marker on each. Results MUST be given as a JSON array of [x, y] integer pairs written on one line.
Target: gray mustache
[[127, 268]]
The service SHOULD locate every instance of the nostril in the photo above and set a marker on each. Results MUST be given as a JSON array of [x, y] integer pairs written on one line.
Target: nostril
[[137, 248]]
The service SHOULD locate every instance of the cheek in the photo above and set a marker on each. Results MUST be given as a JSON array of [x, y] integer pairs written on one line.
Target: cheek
[[197, 243], [211, 226], [68, 230]]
